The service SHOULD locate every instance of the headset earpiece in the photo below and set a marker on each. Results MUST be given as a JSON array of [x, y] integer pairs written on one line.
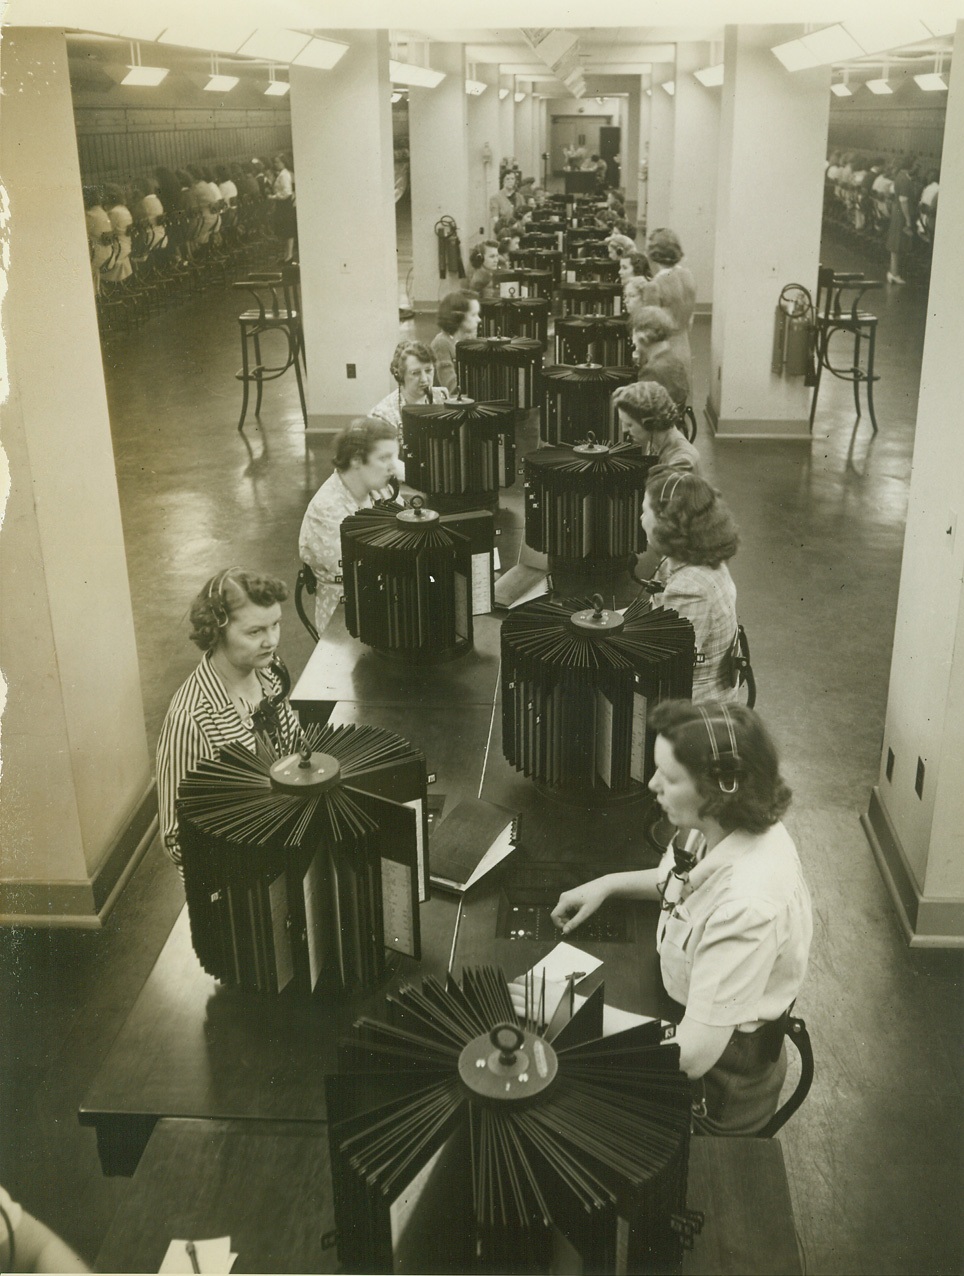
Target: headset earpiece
[[216, 597], [725, 766]]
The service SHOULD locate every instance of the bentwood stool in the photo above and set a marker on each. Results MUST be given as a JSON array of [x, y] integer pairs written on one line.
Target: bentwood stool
[[835, 317], [277, 310]]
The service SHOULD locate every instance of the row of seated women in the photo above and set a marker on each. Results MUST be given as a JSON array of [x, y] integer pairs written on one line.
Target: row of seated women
[[735, 924]]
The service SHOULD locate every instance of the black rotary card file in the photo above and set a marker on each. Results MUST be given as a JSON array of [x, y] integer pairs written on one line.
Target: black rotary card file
[[459, 452], [577, 685], [302, 870], [414, 579], [583, 504], [505, 369], [465, 1139], [576, 400]]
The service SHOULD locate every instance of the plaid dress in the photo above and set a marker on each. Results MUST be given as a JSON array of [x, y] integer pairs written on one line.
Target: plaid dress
[[706, 596]]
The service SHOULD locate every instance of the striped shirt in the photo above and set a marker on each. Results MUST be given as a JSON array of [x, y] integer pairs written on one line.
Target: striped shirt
[[706, 596], [200, 720]]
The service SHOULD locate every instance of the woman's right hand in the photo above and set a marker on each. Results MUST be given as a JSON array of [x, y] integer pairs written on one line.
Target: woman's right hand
[[581, 902]]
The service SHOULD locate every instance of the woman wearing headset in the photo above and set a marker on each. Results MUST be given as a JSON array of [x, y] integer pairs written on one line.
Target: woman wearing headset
[[689, 523], [413, 367], [735, 923], [237, 691]]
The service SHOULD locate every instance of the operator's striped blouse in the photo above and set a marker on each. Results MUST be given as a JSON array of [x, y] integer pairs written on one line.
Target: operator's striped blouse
[[200, 720]]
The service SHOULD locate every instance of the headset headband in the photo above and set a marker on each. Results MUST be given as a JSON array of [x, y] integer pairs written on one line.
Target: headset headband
[[216, 595], [675, 480], [727, 758]]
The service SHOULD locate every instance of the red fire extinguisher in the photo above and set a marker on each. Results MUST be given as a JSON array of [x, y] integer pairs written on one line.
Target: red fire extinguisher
[[794, 329]]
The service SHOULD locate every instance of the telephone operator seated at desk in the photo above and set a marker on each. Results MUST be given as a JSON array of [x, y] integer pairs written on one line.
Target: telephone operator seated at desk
[[413, 369], [459, 317], [650, 418], [484, 260], [238, 690], [365, 459], [735, 923], [655, 357], [690, 525]]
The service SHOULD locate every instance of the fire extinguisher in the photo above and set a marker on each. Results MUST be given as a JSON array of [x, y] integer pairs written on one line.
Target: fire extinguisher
[[449, 248], [794, 329]]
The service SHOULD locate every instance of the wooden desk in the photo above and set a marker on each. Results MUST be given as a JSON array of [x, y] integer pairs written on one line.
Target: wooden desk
[[267, 1185]]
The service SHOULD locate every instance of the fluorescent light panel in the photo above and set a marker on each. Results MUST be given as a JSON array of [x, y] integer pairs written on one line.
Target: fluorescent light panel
[[420, 77], [273, 45], [323, 54], [943, 23], [670, 87], [397, 97], [518, 97], [840, 90], [832, 44], [880, 87], [795, 55], [931, 82], [886, 31], [475, 88], [710, 76], [277, 88], [145, 76], [216, 34], [221, 84], [503, 94]]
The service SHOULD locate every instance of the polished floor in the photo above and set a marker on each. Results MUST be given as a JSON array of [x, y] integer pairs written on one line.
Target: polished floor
[[874, 1156]]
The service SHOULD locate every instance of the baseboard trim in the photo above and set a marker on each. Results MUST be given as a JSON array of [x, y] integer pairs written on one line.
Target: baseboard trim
[[84, 905], [741, 429], [927, 923]]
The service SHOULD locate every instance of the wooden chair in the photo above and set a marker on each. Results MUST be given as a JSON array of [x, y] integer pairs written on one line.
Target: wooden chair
[[835, 317], [278, 309]]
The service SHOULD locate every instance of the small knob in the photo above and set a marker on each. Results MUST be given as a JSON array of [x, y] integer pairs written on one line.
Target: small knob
[[507, 1039], [597, 606], [305, 763], [417, 504]]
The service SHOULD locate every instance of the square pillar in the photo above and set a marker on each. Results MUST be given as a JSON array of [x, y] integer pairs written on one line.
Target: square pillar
[[661, 128], [438, 131], [346, 228], [915, 823], [696, 141], [506, 119], [77, 796], [770, 203], [525, 152], [484, 144]]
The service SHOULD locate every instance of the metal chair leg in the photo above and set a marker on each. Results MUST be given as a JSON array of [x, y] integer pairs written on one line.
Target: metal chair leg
[[871, 343], [295, 342], [244, 377], [857, 377], [258, 371]]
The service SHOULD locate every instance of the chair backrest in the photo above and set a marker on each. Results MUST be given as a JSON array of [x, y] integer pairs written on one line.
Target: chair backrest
[[305, 584], [796, 1033]]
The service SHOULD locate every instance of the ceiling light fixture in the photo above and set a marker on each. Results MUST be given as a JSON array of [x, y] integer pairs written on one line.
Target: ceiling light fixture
[[880, 87], [933, 81], [397, 97], [795, 55], [832, 44], [670, 87], [420, 77], [503, 94], [840, 90], [885, 30], [475, 88], [711, 77], [219, 83], [273, 44], [206, 32], [142, 76], [519, 96], [322, 54], [277, 88]]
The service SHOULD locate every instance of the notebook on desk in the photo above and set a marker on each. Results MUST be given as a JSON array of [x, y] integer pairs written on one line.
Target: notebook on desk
[[470, 841]]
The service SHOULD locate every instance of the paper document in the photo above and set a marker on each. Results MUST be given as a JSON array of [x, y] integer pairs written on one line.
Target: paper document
[[212, 1256]]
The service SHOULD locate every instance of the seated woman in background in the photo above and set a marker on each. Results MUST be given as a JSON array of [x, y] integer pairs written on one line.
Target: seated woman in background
[[735, 915], [364, 461], [672, 288], [100, 234], [688, 522], [119, 267], [234, 693], [655, 357], [651, 419], [458, 319], [633, 265], [484, 260]]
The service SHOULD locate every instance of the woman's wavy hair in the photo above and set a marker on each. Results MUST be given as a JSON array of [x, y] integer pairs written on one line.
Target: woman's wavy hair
[[223, 595], [405, 348], [640, 264], [649, 404], [664, 246], [653, 322], [761, 796], [477, 255], [359, 439], [453, 308], [693, 522]]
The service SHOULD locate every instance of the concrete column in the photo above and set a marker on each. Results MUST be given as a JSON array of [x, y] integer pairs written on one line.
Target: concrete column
[[630, 169], [542, 169], [506, 118], [641, 186], [77, 799], [438, 128], [916, 819], [696, 140], [484, 139], [661, 130], [346, 228], [524, 120], [764, 243]]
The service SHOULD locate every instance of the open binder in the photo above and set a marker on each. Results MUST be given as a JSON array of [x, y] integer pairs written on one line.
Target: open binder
[[472, 839]]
